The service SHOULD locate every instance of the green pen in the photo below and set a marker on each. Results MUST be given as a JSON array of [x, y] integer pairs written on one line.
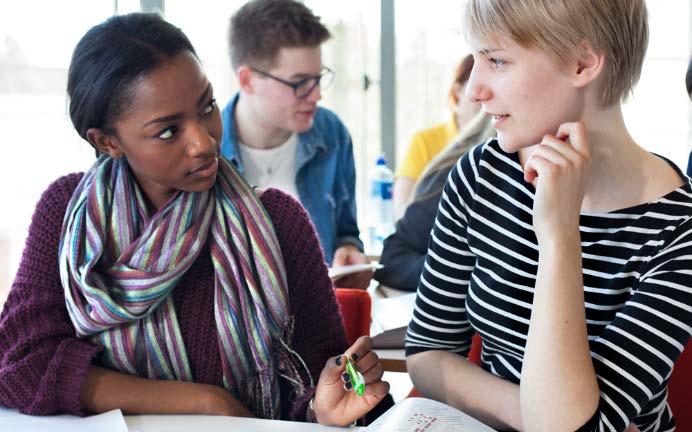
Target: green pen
[[357, 379]]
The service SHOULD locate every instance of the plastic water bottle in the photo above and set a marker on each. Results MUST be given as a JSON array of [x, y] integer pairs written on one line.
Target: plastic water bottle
[[380, 209]]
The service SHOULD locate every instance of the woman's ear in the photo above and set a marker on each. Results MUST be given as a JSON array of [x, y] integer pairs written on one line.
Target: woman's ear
[[105, 143], [589, 65]]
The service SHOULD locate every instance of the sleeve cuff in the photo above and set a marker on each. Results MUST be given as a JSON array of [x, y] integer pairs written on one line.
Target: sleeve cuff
[[300, 405], [77, 359], [349, 240]]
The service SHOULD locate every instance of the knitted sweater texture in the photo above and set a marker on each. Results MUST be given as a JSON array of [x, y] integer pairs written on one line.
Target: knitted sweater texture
[[43, 364]]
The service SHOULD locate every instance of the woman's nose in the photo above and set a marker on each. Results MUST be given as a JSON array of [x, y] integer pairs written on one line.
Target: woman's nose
[[201, 142], [476, 90]]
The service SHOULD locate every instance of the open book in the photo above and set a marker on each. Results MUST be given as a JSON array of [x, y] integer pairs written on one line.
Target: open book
[[338, 272], [419, 414]]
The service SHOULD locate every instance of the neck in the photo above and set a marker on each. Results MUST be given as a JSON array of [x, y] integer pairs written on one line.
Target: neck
[[620, 173], [616, 161], [253, 131], [155, 195]]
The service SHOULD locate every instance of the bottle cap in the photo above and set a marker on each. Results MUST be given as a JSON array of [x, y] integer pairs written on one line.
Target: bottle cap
[[381, 160]]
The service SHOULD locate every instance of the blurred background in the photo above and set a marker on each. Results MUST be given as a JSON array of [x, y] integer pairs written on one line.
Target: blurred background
[[394, 62]]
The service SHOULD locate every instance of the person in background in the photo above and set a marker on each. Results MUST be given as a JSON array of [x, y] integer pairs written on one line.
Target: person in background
[[159, 281], [563, 243], [426, 144], [275, 133], [403, 254]]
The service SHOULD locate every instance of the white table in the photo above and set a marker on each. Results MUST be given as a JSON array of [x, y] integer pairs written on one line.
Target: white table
[[114, 421], [187, 423], [392, 360]]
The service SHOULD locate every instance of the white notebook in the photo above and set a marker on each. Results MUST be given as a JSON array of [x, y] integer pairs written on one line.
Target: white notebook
[[338, 272], [112, 421]]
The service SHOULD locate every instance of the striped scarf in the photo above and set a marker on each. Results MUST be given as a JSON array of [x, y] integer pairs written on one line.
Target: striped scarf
[[119, 265]]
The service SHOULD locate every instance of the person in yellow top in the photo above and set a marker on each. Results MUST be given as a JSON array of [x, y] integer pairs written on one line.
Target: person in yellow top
[[427, 143]]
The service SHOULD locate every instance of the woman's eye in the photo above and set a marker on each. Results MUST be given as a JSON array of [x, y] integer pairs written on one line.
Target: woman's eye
[[167, 133], [496, 62], [210, 107]]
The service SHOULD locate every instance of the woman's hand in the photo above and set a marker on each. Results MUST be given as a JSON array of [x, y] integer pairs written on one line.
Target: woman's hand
[[335, 401], [559, 170]]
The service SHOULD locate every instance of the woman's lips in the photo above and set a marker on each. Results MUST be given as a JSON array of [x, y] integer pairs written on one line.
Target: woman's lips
[[498, 119], [206, 169]]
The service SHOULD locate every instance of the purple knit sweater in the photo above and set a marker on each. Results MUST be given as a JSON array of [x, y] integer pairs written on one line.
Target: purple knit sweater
[[43, 363]]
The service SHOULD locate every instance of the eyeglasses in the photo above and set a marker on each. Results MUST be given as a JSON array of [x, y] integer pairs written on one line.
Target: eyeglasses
[[303, 88]]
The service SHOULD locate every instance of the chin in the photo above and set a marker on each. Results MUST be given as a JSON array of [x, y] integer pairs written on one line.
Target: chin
[[512, 143], [301, 123], [202, 185], [508, 144], [301, 127]]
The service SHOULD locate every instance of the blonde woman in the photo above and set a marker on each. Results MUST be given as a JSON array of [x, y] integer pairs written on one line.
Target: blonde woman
[[563, 243]]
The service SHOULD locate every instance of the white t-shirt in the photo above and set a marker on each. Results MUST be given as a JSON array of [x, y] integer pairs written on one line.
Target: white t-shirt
[[275, 167]]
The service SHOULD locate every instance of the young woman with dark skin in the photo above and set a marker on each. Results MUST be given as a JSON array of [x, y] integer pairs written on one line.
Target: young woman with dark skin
[[138, 94]]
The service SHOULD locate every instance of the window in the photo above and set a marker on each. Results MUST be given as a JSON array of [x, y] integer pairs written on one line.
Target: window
[[658, 113], [429, 45], [353, 52], [39, 143]]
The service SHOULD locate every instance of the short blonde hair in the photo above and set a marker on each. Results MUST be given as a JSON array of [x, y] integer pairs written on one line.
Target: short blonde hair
[[617, 28]]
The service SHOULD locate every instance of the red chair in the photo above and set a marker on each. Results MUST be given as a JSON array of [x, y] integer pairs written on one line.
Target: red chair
[[355, 306], [680, 390], [475, 352]]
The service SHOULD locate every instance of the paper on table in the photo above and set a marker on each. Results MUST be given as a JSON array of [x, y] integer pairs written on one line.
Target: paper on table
[[419, 414], [112, 421], [392, 312], [390, 339], [337, 272]]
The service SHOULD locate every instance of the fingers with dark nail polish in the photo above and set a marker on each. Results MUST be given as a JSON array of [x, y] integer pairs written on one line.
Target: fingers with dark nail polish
[[354, 356], [338, 360], [345, 377], [348, 385]]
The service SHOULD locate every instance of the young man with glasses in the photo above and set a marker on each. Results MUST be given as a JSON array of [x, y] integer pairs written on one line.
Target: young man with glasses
[[276, 134]]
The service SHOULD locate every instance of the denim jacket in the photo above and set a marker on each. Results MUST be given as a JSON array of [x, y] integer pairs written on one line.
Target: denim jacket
[[325, 176]]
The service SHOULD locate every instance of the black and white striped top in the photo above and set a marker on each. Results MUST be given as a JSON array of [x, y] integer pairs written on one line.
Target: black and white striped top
[[480, 273]]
